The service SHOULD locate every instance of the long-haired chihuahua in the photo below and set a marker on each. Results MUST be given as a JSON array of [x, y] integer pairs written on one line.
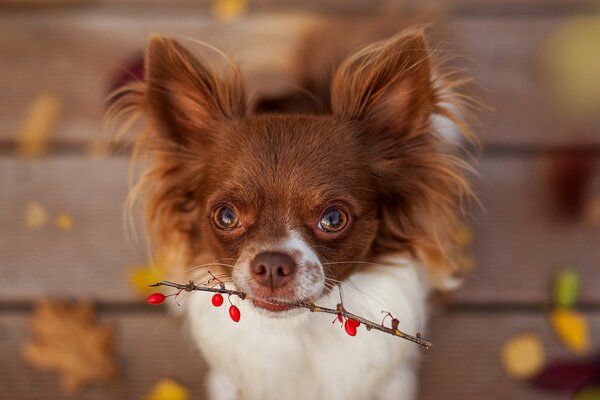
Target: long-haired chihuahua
[[361, 203]]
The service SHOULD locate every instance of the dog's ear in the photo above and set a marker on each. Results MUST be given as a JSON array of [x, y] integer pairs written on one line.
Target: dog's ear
[[185, 98], [387, 84], [389, 91]]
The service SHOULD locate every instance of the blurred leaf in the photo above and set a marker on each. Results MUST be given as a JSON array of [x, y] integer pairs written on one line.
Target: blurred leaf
[[566, 288], [35, 216], [567, 375], [41, 121], [589, 393], [168, 389], [68, 339], [142, 276], [228, 10], [64, 222], [571, 63], [572, 329], [523, 355]]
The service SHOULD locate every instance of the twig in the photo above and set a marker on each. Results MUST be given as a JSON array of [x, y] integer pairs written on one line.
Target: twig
[[339, 310]]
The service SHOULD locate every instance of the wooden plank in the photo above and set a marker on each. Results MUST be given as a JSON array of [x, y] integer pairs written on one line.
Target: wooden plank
[[332, 6], [504, 58], [73, 53], [150, 348], [465, 360], [91, 259], [517, 246]]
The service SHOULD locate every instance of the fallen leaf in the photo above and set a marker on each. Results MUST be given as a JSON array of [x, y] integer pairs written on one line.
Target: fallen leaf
[[572, 329], [566, 288], [589, 393], [567, 375], [228, 10], [41, 120], [168, 389], [523, 355], [64, 222], [142, 276], [35, 216], [67, 339], [571, 62]]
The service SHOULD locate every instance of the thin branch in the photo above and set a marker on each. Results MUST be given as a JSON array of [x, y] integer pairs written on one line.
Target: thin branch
[[339, 310]]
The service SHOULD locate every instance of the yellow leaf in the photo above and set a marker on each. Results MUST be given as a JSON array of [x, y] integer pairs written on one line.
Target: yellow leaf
[[41, 120], [64, 222], [35, 216], [523, 355], [571, 62], [168, 389], [572, 329], [228, 10], [142, 276]]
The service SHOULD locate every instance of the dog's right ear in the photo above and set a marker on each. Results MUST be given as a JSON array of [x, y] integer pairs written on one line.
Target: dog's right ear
[[184, 97]]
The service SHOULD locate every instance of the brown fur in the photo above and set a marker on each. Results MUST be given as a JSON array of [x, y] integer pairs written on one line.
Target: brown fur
[[375, 155]]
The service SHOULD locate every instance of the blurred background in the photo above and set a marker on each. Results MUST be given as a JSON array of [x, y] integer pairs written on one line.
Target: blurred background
[[526, 325]]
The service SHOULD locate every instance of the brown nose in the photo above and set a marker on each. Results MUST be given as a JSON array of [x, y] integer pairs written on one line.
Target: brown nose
[[273, 269]]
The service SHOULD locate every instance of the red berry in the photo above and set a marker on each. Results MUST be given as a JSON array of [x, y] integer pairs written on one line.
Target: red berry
[[340, 318], [217, 300], [354, 322], [350, 328], [234, 313], [155, 298]]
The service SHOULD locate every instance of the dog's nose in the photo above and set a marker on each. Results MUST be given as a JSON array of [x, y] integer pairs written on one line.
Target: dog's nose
[[272, 269]]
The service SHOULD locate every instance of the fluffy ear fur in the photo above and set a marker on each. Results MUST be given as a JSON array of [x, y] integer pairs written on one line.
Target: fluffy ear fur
[[184, 97], [186, 104], [389, 91]]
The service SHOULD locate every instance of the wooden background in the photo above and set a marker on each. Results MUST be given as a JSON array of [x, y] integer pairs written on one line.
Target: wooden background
[[72, 50]]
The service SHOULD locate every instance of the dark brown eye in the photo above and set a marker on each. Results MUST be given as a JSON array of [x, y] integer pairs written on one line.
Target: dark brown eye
[[225, 218], [333, 220]]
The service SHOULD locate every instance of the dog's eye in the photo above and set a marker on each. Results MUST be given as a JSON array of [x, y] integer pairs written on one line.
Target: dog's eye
[[333, 220], [225, 218]]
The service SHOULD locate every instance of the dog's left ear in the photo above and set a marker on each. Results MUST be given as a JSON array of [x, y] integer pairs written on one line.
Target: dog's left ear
[[387, 84]]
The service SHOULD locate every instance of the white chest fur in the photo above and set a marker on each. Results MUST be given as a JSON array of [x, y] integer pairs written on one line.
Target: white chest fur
[[305, 356]]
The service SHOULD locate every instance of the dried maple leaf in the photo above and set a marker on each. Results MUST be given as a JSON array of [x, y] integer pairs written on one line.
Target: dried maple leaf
[[67, 339]]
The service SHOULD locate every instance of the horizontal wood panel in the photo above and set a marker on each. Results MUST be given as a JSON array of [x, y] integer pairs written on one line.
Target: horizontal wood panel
[[331, 6], [73, 54], [148, 347], [517, 245], [464, 363], [90, 260]]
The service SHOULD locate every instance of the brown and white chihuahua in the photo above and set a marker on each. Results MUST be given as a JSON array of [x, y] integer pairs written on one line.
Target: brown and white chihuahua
[[286, 208]]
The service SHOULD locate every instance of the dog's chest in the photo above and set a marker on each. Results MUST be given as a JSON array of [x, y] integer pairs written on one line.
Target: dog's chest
[[306, 356]]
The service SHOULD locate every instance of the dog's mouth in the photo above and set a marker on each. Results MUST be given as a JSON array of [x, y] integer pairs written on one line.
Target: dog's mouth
[[273, 305]]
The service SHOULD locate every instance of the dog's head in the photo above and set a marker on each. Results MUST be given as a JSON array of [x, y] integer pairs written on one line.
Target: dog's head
[[290, 205]]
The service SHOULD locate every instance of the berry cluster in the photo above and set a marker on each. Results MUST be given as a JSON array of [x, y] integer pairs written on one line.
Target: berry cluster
[[217, 299], [350, 325], [349, 321]]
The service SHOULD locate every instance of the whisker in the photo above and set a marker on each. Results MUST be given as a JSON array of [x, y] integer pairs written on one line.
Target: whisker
[[353, 262]]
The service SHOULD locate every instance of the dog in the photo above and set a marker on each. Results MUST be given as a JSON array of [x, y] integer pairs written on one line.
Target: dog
[[358, 205]]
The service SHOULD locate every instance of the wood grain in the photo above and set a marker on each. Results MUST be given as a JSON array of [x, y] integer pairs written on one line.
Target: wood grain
[[73, 54], [148, 348], [518, 246], [464, 363]]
